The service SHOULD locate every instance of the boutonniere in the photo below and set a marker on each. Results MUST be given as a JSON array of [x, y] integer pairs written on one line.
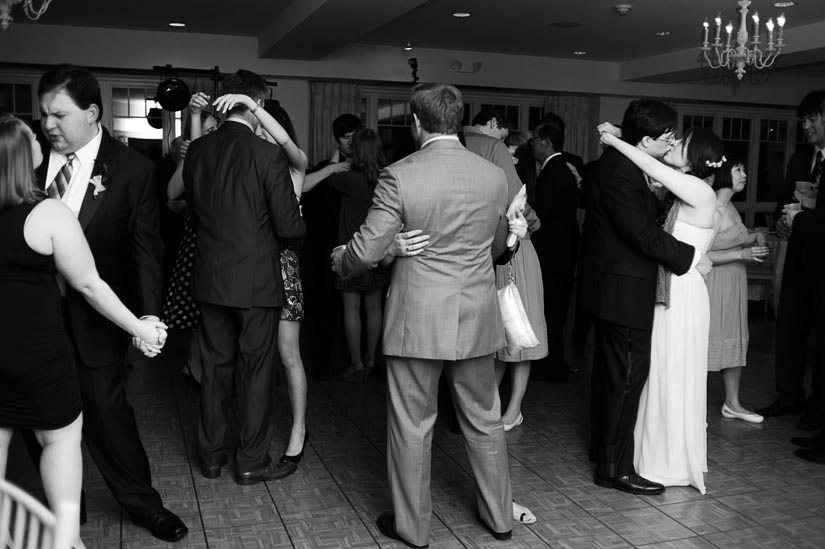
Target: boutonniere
[[101, 174]]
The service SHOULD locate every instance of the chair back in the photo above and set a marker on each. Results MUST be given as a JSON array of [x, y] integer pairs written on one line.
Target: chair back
[[25, 523]]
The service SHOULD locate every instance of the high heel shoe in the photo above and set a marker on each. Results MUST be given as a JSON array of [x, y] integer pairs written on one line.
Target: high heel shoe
[[354, 373], [296, 459]]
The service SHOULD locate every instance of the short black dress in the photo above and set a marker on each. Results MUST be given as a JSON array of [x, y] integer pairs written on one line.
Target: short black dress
[[180, 310], [38, 384]]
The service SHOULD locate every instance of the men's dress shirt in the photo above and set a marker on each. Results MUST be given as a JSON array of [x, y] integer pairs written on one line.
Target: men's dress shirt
[[82, 168], [546, 160]]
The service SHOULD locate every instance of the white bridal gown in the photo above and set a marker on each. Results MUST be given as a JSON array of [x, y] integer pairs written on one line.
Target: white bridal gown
[[670, 434]]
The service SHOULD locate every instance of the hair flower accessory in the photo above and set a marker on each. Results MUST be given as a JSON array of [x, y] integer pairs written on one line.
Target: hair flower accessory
[[717, 164]]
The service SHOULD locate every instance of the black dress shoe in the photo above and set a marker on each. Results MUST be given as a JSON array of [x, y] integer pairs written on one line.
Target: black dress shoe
[[808, 423], [814, 455], [271, 471], [779, 408], [632, 484], [386, 525], [501, 536], [213, 471], [817, 441], [162, 523]]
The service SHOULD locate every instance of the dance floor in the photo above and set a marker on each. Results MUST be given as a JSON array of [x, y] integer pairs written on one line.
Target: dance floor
[[759, 494]]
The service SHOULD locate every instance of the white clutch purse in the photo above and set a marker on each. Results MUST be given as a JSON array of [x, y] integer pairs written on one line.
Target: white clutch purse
[[517, 330]]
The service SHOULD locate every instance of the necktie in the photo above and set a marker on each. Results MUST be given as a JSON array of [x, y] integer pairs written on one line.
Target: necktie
[[816, 173], [61, 181]]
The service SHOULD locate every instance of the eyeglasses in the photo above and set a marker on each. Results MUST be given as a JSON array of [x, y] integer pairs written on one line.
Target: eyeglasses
[[669, 140]]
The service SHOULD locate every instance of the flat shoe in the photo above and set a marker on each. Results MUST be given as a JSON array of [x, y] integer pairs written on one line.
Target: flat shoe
[[750, 417], [522, 514], [519, 420]]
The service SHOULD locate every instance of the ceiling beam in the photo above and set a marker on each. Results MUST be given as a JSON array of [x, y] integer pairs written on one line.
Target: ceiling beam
[[312, 29]]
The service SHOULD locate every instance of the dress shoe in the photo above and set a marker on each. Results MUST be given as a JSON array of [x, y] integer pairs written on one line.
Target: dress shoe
[[814, 455], [270, 471], [501, 536], [386, 525], [295, 459], [632, 484], [779, 408], [510, 426], [162, 523], [749, 417], [213, 471], [808, 423], [817, 441]]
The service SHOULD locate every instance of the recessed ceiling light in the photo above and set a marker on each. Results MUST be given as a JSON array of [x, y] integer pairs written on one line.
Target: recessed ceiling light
[[663, 33], [579, 52], [783, 4], [461, 14], [177, 24]]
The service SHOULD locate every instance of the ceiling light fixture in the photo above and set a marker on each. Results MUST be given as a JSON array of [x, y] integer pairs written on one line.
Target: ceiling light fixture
[[743, 55], [177, 24], [663, 33], [407, 46], [783, 4], [461, 14], [623, 9], [29, 9], [579, 52]]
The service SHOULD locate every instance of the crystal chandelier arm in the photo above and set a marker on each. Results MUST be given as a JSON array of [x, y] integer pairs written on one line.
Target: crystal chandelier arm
[[34, 13]]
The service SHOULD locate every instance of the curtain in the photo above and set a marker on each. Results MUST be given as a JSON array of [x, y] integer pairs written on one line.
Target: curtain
[[580, 129], [328, 101]]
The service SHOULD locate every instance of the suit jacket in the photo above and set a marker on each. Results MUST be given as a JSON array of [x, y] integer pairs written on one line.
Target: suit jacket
[[122, 227], [242, 203], [441, 303], [556, 202], [622, 245], [805, 257]]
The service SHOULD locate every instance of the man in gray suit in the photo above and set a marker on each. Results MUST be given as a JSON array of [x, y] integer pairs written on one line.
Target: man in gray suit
[[441, 312]]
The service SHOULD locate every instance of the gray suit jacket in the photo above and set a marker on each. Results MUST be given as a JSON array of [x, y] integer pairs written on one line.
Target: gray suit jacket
[[441, 303]]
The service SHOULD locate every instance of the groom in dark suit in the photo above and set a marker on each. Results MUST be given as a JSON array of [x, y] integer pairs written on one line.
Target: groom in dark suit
[[111, 189], [621, 248], [243, 207]]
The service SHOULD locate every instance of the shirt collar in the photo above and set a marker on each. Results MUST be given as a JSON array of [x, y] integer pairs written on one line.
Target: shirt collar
[[240, 120], [439, 138], [546, 160], [84, 156]]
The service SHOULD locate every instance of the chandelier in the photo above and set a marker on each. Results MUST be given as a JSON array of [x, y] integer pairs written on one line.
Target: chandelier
[[32, 12], [719, 54]]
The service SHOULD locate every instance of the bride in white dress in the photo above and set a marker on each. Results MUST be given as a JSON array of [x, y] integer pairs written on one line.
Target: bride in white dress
[[670, 434]]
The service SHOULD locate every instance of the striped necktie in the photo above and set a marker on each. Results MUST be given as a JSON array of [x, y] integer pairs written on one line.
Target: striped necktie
[[61, 181], [816, 172]]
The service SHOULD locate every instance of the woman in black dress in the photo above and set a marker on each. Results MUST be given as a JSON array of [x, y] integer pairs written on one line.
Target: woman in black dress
[[38, 385]]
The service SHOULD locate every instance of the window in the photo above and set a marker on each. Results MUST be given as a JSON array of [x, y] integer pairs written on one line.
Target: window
[[736, 136], [16, 99]]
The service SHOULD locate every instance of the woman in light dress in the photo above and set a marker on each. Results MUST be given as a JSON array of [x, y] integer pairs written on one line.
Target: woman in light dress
[[732, 247], [670, 434]]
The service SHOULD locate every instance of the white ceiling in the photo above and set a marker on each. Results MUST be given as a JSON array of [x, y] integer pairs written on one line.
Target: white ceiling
[[313, 29]]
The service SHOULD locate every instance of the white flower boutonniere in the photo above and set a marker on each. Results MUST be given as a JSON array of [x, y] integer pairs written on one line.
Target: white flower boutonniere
[[97, 181]]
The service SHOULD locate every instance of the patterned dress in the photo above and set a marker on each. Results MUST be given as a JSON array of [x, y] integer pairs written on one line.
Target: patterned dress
[[179, 309]]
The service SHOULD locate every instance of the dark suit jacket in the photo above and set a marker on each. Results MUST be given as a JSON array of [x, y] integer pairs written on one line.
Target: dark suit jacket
[[556, 201], [122, 227], [805, 258], [622, 245], [243, 204]]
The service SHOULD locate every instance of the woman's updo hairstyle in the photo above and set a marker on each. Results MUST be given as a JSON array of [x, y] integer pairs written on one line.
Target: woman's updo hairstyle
[[724, 177], [704, 152]]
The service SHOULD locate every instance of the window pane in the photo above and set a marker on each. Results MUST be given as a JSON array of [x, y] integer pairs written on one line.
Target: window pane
[[23, 98], [534, 114], [398, 142], [384, 112], [399, 113], [512, 117], [137, 103], [120, 102], [771, 171], [6, 97]]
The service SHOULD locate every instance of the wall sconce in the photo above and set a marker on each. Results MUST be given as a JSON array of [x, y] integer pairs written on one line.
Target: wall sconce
[[458, 66]]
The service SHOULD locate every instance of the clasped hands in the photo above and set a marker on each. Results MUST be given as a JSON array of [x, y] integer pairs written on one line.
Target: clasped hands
[[150, 336]]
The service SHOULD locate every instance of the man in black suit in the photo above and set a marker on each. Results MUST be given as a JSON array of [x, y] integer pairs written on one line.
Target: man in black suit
[[111, 188], [802, 297], [621, 248], [243, 209], [555, 201]]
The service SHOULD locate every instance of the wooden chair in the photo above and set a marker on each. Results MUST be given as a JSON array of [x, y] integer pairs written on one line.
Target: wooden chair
[[25, 523]]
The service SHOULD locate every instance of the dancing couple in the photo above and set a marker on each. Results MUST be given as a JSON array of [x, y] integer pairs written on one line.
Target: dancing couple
[[643, 283]]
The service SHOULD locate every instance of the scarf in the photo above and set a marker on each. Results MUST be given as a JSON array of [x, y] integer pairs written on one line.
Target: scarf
[[663, 276]]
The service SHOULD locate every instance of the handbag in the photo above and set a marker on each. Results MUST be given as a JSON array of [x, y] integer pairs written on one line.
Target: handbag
[[517, 330]]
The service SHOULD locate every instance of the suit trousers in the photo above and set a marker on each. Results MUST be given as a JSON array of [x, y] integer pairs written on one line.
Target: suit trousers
[[412, 407], [620, 368], [558, 286], [796, 317], [239, 347]]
